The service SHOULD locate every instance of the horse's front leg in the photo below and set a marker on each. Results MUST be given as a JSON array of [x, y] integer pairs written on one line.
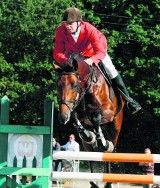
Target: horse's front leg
[[84, 134], [102, 143]]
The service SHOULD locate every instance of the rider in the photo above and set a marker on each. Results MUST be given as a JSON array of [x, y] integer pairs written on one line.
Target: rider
[[78, 36]]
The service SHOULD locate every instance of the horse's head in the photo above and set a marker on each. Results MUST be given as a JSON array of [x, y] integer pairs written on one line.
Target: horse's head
[[68, 91], [75, 71]]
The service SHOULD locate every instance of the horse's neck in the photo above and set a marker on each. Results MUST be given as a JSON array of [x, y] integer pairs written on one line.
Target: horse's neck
[[83, 71]]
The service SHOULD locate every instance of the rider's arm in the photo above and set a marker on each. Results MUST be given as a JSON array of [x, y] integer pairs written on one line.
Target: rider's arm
[[59, 47], [99, 44]]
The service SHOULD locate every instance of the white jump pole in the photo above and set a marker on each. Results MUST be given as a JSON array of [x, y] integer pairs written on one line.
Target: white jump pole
[[101, 177], [109, 157]]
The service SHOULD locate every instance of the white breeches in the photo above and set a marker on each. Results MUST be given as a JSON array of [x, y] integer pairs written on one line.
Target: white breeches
[[107, 62]]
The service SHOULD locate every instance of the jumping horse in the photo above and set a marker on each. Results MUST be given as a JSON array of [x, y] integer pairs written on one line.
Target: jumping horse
[[88, 100]]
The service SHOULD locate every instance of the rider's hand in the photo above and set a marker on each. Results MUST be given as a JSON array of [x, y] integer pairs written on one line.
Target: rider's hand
[[89, 61]]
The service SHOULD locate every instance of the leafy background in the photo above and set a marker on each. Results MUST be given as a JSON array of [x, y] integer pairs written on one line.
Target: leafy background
[[27, 29]]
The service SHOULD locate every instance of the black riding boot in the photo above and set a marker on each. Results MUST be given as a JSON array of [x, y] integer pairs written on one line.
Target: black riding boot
[[133, 105]]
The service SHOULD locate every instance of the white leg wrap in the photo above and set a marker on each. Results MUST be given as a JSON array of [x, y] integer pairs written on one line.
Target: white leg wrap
[[93, 139], [111, 147]]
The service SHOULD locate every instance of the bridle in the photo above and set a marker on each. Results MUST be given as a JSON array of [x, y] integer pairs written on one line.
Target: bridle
[[91, 79], [78, 88]]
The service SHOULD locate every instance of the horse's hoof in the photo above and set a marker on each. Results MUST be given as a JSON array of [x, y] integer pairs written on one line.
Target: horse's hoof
[[108, 185], [93, 185]]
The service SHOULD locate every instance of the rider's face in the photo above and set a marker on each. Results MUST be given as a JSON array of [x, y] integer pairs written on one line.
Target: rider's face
[[71, 26]]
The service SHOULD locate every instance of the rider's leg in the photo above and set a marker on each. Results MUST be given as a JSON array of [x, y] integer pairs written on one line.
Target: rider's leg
[[118, 82]]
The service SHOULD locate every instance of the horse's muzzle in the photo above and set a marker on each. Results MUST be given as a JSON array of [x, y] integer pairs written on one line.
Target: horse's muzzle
[[64, 117]]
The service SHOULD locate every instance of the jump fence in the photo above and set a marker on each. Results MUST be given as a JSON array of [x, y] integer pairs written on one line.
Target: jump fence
[[21, 146], [108, 157], [25, 150]]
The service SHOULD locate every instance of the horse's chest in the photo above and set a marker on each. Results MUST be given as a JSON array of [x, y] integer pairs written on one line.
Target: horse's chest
[[90, 109]]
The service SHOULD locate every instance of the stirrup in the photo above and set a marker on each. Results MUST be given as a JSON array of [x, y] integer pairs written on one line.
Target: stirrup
[[138, 109]]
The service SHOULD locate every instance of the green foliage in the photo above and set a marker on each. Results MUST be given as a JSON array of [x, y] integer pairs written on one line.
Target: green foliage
[[26, 43], [28, 29]]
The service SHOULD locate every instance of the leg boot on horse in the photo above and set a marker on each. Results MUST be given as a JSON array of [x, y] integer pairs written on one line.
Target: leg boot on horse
[[102, 143], [84, 134]]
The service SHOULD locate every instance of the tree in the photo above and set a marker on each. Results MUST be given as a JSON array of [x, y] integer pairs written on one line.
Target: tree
[[26, 42]]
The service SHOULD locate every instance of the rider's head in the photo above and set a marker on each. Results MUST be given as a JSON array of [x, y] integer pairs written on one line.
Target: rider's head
[[72, 17]]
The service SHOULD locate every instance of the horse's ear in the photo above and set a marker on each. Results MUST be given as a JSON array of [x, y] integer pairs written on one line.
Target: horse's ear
[[56, 67], [75, 64]]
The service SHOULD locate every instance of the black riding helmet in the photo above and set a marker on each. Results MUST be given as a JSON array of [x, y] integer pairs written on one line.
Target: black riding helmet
[[72, 15]]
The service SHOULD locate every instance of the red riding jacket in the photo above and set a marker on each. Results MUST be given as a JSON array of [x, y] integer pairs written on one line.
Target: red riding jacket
[[91, 43]]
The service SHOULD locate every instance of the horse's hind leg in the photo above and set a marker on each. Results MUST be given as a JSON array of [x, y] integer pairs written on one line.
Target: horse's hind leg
[[102, 143], [93, 185], [108, 170], [117, 126]]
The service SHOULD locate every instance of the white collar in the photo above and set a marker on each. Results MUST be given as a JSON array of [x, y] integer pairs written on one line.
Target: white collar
[[76, 35]]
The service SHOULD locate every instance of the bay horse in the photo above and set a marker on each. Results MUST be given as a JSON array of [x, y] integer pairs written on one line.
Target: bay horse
[[87, 99]]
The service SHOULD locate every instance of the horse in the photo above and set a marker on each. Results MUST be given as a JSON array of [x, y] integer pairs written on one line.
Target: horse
[[87, 99]]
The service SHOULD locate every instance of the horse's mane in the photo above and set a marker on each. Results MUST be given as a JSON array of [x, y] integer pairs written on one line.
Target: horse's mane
[[72, 64], [67, 70]]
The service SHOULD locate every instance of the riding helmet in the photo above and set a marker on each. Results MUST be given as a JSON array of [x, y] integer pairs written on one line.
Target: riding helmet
[[72, 15]]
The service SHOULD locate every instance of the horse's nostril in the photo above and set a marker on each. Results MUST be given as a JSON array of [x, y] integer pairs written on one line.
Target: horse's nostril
[[64, 117]]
